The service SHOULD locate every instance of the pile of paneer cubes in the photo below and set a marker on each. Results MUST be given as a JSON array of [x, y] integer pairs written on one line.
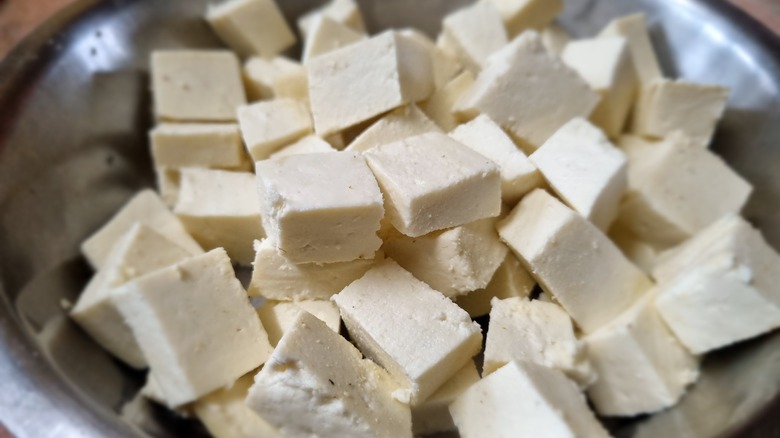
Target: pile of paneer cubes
[[404, 186]]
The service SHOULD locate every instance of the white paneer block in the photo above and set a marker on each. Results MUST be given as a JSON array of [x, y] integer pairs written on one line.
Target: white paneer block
[[320, 208], [634, 29], [510, 280], [197, 145], [397, 125], [445, 64], [345, 12], [276, 277], [251, 27], [196, 85], [605, 64], [432, 182], [327, 35], [168, 179], [195, 326], [475, 31], [279, 77], [433, 415], [642, 368], [527, 91], [317, 381], [524, 399], [573, 260], [139, 251], [220, 208], [534, 331], [278, 317], [667, 105], [355, 83], [555, 38], [225, 414], [416, 333], [310, 144], [521, 15], [677, 188], [585, 170], [720, 287], [518, 175], [268, 126], [146, 208], [455, 261], [441, 104], [635, 249]]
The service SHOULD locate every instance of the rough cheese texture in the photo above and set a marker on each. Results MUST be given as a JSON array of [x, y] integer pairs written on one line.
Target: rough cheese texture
[[571, 259], [634, 29], [520, 15], [345, 12], [510, 280], [441, 104], [310, 144], [317, 383], [268, 126], [278, 317], [475, 31], [326, 35], [397, 125], [433, 415], [320, 208], [416, 333], [197, 145], [251, 27], [432, 182], [278, 77]]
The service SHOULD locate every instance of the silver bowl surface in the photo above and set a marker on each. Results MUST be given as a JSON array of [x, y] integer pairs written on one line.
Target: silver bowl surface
[[74, 111]]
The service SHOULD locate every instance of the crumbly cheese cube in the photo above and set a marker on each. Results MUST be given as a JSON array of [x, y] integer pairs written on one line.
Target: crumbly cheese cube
[[196, 85], [220, 208], [518, 175], [555, 38], [677, 188], [355, 83], [225, 414], [640, 253], [326, 35], [667, 105], [521, 15], [527, 91], [276, 277], [139, 251], [268, 126], [585, 170], [433, 415], [642, 368], [538, 332], [573, 260], [441, 104], [278, 317], [251, 27], [510, 280], [197, 145], [416, 333], [432, 182], [720, 287], [605, 64], [317, 381], [634, 29], [397, 125], [476, 31], [195, 326], [445, 64], [279, 77], [455, 261], [320, 208], [168, 181], [147, 208], [310, 144], [345, 12], [525, 399]]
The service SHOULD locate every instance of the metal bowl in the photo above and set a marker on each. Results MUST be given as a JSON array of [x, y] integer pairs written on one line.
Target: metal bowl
[[74, 111]]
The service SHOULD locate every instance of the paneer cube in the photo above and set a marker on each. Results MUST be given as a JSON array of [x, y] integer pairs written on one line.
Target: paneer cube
[[521, 15], [345, 12], [310, 144], [251, 27], [268, 126], [397, 125], [634, 29], [475, 31], [433, 415], [216, 146], [510, 280], [279, 77], [327, 35], [278, 317], [441, 104], [445, 65]]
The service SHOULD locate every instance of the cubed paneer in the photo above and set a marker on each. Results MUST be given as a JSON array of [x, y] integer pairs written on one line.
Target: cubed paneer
[[195, 326], [605, 64], [251, 27], [572, 260], [269, 125], [197, 145], [320, 208], [147, 208], [518, 175], [433, 415], [441, 104], [534, 331], [317, 381], [510, 280], [310, 144], [278, 317], [521, 15], [585, 170], [397, 125], [196, 85], [365, 79], [634, 29], [455, 261], [555, 39], [445, 64], [476, 31], [327, 35], [345, 12], [525, 399], [432, 182], [139, 251], [220, 208], [416, 333], [279, 77], [527, 91], [642, 368]]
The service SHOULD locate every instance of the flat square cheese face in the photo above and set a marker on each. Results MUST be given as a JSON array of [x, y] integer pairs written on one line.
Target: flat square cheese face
[[267, 126], [510, 280], [397, 125], [251, 27], [196, 85], [475, 31], [416, 333], [197, 145], [433, 415], [432, 182], [521, 15]]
